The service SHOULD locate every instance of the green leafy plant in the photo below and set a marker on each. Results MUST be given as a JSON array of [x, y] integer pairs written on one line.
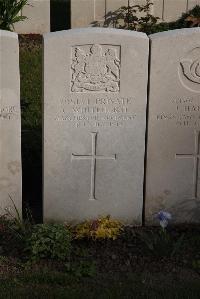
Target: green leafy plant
[[136, 17], [10, 13], [139, 18], [101, 228], [49, 241]]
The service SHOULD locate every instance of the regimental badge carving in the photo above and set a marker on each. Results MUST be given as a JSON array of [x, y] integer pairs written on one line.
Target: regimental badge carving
[[95, 68], [190, 70]]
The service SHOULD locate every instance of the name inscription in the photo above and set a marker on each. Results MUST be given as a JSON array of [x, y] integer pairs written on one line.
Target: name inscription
[[98, 112]]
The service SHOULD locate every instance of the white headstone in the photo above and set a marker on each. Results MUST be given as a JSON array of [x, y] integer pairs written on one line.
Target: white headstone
[[10, 123], [95, 85], [173, 9], [38, 18], [158, 9], [83, 13], [173, 149]]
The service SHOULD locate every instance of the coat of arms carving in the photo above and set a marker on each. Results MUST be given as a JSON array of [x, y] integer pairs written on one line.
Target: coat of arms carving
[[95, 68]]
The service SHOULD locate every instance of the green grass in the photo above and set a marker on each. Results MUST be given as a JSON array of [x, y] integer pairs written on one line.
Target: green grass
[[31, 87], [61, 285]]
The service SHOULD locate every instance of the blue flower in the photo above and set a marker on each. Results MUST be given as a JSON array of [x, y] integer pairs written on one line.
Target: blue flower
[[163, 218]]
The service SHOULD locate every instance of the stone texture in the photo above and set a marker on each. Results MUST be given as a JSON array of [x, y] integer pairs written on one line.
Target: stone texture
[[99, 11], [192, 3], [112, 5], [158, 9], [87, 15], [38, 14], [172, 179], [10, 126], [174, 9], [95, 86]]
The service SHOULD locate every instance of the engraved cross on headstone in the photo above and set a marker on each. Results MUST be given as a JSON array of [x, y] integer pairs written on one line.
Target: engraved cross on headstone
[[93, 157], [195, 157]]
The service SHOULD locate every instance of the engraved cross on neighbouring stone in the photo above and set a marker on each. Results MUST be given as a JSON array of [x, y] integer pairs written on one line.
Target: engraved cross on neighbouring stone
[[93, 157], [195, 157]]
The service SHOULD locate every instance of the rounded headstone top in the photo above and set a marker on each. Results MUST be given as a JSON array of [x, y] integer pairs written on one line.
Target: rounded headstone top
[[175, 33], [4, 33], [89, 30]]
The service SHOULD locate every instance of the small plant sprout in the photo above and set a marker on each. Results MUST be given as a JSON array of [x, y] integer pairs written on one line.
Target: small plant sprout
[[164, 218]]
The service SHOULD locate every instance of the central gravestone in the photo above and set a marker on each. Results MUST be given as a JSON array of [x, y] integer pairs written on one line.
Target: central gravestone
[[95, 87]]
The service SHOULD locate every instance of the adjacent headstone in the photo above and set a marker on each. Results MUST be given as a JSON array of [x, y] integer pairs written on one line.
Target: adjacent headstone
[[95, 86], [173, 149], [173, 9], [38, 18], [113, 5], [158, 9], [10, 125], [192, 3], [83, 13]]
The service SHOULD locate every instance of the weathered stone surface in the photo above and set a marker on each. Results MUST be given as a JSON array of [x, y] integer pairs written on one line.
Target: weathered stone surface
[[158, 9], [113, 5], [174, 126], [172, 10], [10, 126], [38, 18], [87, 15], [95, 83]]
